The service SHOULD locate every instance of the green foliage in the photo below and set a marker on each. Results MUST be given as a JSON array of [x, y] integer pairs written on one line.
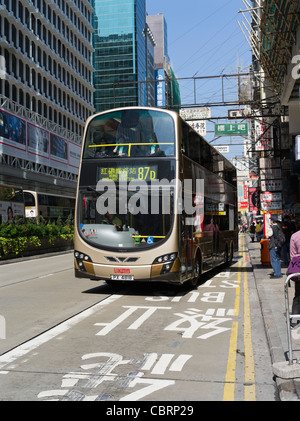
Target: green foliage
[[28, 232]]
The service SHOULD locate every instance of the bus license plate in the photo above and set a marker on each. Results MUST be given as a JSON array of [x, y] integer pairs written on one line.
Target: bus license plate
[[122, 277]]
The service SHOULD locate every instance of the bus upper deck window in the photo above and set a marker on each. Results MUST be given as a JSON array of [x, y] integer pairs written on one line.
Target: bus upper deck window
[[131, 133]]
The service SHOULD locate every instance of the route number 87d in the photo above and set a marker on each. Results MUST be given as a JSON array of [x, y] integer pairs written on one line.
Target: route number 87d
[[144, 173]]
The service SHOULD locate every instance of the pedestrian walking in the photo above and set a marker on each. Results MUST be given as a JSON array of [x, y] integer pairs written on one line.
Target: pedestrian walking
[[261, 231], [294, 252], [288, 228], [258, 233], [277, 239], [252, 231]]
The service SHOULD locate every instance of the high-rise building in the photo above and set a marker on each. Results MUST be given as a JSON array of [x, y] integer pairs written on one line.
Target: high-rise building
[[45, 88], [123, 46], [158, 26], [167, 93]]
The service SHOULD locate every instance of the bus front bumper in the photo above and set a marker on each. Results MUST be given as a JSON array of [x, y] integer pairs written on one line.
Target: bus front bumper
[[141, 273]]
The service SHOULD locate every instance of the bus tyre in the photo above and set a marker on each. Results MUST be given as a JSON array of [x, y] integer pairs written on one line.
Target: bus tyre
[[227, 257], [197, 271]]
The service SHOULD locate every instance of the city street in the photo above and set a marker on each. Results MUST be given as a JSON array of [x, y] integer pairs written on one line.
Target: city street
[[140, 146], [68, 339]]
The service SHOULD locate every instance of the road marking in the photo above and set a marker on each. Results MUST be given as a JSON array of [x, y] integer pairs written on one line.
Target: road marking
[[34, 343], [249, 389], [230, 379], [162, 364]]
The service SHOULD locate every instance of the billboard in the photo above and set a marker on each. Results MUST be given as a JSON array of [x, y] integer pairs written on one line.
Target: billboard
[[25, 140], [160, 90], [242, 196], [263, 135], [254, 199], [195, 117]]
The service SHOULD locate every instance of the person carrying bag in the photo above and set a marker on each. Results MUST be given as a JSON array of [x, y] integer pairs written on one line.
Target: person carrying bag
[[277, 240]]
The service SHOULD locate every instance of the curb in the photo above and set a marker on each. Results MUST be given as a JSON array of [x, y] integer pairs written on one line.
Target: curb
[[288, 388]]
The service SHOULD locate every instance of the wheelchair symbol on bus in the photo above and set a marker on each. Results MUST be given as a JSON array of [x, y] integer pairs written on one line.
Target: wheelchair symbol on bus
[[150, 240]]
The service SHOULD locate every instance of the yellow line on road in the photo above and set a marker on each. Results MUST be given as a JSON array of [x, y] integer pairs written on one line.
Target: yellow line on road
[[249, 389], [230, 379]]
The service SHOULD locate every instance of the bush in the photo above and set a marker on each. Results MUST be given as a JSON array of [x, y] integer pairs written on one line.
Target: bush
[[27, 232]]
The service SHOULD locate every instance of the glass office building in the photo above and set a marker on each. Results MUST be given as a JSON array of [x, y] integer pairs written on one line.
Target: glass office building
[[120, 43]]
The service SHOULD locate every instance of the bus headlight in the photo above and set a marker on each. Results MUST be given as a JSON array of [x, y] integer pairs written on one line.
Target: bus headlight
[[80, 259], [166, 260]]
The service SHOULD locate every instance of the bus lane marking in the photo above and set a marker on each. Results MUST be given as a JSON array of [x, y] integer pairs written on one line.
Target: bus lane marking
[[152, 363], [77, 385], [193, 316], [131, 309]]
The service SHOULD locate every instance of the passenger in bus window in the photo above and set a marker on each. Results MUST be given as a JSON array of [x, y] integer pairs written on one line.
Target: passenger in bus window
[[128, 132], [100, 138], [148, 135], [111, 218]]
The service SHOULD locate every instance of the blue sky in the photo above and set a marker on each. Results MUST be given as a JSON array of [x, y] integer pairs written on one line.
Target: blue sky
[[204, 39]]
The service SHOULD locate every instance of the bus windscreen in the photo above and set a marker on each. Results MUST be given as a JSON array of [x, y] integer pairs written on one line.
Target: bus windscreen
[[130, 133]]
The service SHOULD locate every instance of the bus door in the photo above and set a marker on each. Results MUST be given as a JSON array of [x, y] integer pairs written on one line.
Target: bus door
[[186, 230]]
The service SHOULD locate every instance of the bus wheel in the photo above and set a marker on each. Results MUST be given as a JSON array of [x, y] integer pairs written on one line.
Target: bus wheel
[[197, 271], [226, 256]]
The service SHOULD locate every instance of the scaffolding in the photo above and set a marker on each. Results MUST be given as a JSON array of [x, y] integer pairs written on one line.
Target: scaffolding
[[271, 34], [278, 28]]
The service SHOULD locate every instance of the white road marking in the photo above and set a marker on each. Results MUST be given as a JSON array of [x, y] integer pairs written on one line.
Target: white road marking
[[34, 343]]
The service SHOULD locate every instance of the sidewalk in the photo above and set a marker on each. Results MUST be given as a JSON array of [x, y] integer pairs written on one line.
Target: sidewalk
[[272, 301]]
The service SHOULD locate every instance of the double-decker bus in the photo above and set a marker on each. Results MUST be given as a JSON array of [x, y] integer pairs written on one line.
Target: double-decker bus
[[49, 206], [11, 203], [155, 201]]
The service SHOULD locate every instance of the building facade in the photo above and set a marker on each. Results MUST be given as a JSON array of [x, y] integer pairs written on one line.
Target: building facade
[[123, 46], [273, 33], [45, 89], [167, 91], [277, 48]]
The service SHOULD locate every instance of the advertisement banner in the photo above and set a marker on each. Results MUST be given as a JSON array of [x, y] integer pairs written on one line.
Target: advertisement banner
[[271, 185], [271, 206], [254, 199], [263, 135], [160, 90], [199, 126], [242, 196], [27, 141], [13, 130], [37, 140], [195, 113]]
